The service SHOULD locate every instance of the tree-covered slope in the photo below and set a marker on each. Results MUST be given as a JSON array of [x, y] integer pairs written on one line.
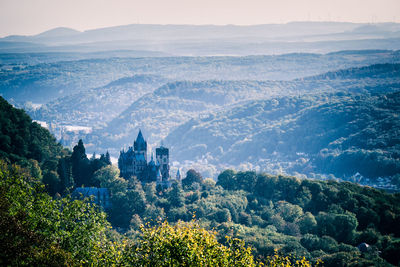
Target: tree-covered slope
[[175, 103], [21, 139], [340, 134], [308, 218], [44, 82], [95, 107]]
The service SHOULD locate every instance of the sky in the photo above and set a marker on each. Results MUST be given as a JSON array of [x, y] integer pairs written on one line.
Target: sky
[[29, 17]]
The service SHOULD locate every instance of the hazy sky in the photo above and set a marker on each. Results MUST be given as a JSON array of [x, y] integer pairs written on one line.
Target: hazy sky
[[28, 17]]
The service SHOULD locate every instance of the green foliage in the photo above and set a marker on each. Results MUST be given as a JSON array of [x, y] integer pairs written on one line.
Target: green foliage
[[28, 144], [192, 176], [80, 165], [21, 138], [83, 169], [37, 230], [340, 226], [391, 252], [307, 223], [185, 244], [281, 260], [307, 218], [227, 179], [175, 195]]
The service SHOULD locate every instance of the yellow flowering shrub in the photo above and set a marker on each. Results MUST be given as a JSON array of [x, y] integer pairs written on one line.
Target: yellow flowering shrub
[[185, 244]]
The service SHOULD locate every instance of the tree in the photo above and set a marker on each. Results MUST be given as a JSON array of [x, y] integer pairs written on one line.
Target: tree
[[64, 170], [246, 180], [391, 253], [52, 182], [339, 226], [223, 215], [227, 179], [108, 158], [289, 212], [192, 176], [307, 223], [185, 244], [175, 196], [108, 177], [81, 170]]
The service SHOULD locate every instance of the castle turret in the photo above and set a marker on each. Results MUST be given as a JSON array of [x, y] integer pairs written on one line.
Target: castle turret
[[162, 156], [140, 145]]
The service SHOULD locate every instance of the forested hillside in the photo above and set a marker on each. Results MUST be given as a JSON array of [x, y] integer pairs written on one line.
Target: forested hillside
[[328, 221], [95, 107], [43, 82], [346, 135], [241, 122], [175, 103], [32, 147], [318, 220], [38, 230], [26, 143]]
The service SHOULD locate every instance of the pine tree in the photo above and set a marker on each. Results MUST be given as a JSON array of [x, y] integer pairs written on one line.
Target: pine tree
[[108, 158], [64, 170], [81, 170]]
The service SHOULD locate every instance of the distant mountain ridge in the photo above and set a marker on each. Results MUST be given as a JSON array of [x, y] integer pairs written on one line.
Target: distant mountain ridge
[[56, 32], [44, 82], [215, 39], [382, 71]]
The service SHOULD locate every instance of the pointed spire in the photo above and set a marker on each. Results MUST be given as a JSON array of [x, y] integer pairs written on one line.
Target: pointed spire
[[140, 138], [140, 144]]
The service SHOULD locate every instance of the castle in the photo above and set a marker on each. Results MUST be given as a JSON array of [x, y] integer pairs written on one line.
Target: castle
[[133, 162]]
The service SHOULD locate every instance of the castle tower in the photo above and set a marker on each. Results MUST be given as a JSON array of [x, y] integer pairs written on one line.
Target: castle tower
[[162, 156], [140, 145]]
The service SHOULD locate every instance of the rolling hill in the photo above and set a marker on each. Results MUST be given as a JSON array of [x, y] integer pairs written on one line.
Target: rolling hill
[[44, 82], [95, 107], [340, 134]]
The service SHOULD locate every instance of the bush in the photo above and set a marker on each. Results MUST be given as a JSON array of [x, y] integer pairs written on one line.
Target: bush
[[185, 244]]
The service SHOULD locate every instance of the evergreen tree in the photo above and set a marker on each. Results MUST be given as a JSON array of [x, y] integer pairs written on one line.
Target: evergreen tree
[[64, 171], [108, 158], [175, 196], [81, 170]]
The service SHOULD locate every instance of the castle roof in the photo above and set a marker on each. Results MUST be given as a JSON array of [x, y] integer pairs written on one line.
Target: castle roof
[[139, 138]]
